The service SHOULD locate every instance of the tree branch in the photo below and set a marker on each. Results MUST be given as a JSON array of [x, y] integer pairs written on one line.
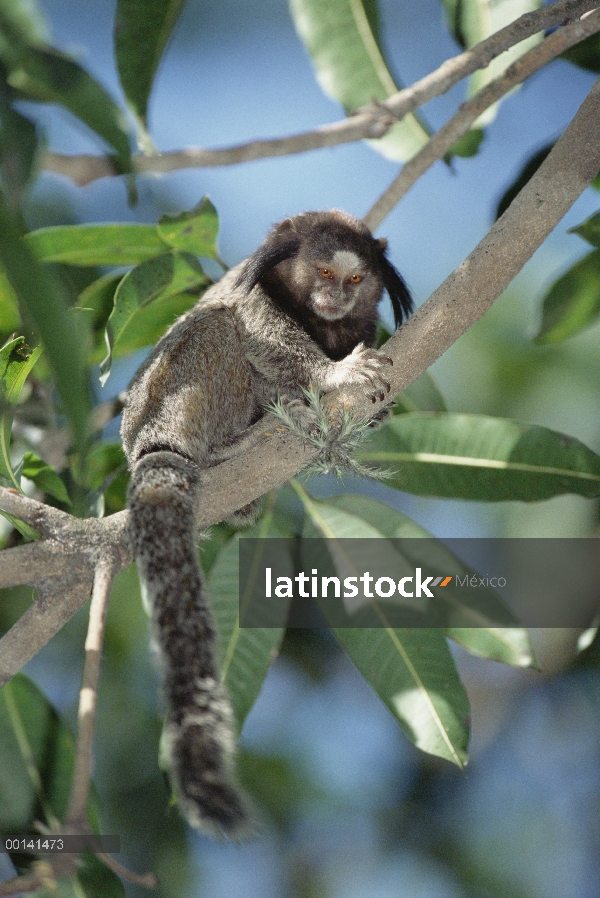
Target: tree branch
[[463, 298], [441, 142], [86, 717], [370, 122], [61, 568]]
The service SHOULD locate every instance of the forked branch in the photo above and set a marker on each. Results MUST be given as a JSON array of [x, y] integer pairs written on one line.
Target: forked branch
[[371, 122]]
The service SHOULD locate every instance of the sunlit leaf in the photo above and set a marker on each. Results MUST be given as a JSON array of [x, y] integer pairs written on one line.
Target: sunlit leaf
[[94, 304], [350, 66], [573, 302], [142, 30], [147, 325], [413, 673], [481, 458], [586, 638], [361, 535], [192, 232], [159, 278], [96, 244], [472, 21], [511, 645]]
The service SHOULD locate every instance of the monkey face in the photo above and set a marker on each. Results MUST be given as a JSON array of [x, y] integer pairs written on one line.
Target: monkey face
[[328, 265], [334, 286]]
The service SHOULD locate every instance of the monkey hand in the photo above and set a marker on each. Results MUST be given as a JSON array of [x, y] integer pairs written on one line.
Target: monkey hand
[[364, 366]]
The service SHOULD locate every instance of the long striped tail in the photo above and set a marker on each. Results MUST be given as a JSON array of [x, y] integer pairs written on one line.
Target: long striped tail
[[199, 736]]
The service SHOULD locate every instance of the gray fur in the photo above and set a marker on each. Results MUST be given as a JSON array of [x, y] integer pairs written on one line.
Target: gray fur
[[300, 313]]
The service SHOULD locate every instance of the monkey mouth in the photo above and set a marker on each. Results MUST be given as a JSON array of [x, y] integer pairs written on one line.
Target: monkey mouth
[[332, 309]]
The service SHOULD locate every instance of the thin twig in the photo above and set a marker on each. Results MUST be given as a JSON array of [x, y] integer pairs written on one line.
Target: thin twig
[[147, 880], [459, 124], [82, 771], [43, 874], [20, 885], [479, 57], [370, 122]]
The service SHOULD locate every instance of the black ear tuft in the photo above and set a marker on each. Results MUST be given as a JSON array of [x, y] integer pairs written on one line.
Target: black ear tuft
[[264, 259], [399, 293]]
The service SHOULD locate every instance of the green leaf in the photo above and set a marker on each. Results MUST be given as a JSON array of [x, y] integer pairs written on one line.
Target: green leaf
[[573, 302], [18, 146], [511, 645], [148, 325], [422, 395], [589, 229], [45, 477], [9, 305], [413, 673], [471, 21], [481, 458], [16, 361], [36, 757], [363, 535], [38, 292], [246, 653], [192, 232], [350, 66], [467, 145], [106, 477], [26, 16], [93, 244], [95, 303], [142, 30], [159, 278], [42, 73]]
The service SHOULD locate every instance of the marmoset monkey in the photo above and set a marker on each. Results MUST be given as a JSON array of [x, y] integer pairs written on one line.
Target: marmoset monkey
[[300, 312]]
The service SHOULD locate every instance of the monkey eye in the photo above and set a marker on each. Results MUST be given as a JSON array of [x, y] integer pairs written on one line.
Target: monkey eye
[[326, 273], [356, 278]]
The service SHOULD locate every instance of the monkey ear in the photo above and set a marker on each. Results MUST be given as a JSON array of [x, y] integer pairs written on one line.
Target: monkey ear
[[264, 259], [399, 293]]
